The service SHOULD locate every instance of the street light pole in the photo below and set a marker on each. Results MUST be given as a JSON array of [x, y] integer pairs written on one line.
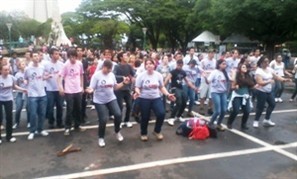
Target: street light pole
[[9, 35], [144, 29]]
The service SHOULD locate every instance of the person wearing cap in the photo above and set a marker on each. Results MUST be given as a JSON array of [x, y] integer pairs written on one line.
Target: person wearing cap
[[193, 72]]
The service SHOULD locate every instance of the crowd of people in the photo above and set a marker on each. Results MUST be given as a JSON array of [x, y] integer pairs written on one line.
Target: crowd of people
[[145, 81]]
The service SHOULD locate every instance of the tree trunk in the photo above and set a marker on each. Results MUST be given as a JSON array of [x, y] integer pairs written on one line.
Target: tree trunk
[[270, 50]]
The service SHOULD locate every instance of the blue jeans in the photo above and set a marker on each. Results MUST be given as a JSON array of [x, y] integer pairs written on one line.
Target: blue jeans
[[278, 88], [103, 111], [54, 99], [191, 96], [146, 105], [262, 98], [37, 108], [19, 103], [219, 101], [197, 84]]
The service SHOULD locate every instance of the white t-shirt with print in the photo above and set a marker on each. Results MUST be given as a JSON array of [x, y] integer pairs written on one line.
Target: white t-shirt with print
[[103, 85], [149, 84], [6, 85], [217, 81], [266, 76]]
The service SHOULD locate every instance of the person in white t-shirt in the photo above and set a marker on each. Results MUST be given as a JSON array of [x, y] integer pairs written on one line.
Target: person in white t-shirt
[[279, 69], [218, 80], [7, 84], [265, 77], [103, 83]]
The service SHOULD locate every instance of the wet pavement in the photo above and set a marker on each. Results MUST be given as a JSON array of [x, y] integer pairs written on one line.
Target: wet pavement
[[253, 154]]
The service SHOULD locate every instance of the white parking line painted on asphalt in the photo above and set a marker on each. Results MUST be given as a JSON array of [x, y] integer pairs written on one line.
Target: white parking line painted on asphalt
[[258, 141], [167, 162], [152, 121]]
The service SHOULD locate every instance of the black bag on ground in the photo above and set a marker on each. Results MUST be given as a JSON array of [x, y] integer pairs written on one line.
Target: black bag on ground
[[212, 132]]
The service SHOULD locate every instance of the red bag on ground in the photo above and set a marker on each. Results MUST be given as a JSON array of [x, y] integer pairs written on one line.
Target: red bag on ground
[[199, 132]]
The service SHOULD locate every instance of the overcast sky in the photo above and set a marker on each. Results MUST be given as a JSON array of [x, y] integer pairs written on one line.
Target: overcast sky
[[11, 5]]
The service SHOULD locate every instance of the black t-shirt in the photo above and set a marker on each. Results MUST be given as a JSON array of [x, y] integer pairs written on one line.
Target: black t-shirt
[[122, 70], [177, 78]]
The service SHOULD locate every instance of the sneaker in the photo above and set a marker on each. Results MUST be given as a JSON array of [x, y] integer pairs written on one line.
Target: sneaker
[[128, 124], [15, 126], [144, 138], [119, 137], [67, 132], [43, 133], [190, 114], [197, 102], [0, 141], [171, 121], [28, 125], [159, 136], [291, 100], [280, 100], [180, 119], [101, 142], [12, 140], [93, 107], [111, 117], [2, 127], [31, 136], [256, 124], [276, 100], [220, 128], [268, 123]]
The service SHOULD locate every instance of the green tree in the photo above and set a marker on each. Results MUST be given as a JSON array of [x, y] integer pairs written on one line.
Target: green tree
[[271, 22]]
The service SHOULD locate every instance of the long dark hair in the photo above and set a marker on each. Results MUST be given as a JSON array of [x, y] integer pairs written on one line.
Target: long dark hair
[[261, 60], [243, 79], [219, 62]]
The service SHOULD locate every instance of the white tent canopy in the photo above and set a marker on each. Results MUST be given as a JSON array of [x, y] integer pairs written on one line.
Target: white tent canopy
[[207, 37]]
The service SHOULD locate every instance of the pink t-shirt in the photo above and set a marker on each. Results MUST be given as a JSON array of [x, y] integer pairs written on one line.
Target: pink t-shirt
[[72, 76]]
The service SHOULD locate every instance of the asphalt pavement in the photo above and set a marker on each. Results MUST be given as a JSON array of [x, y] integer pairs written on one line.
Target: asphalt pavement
[[268, 153]]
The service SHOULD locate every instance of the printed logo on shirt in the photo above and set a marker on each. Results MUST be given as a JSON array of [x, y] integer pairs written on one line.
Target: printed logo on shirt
[[149, 85], [20, 80], [35, 77], [72, 73], [104, 85]]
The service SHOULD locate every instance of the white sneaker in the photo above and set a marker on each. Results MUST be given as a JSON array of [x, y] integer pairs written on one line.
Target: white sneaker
[[93, 107], [268, 122], [128, 124], [15, 126], [276, 100], [101, 142], [197, 102], [181, 119], [31, 136], [291, 100], [12, 140], [0, 141], [171, 121], [28, 125], [43, 133], [119, 137], [280, 100], [111, 117], [2, 127], [256, 124], [67, 132]]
